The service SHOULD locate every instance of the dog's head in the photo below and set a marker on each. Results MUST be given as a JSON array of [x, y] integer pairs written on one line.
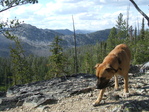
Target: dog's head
[[103, 73]]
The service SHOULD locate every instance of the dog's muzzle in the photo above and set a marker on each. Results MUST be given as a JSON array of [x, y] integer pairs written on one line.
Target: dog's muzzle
[[102, 83]]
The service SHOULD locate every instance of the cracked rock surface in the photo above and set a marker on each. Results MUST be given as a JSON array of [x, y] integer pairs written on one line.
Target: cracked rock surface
[[76, 93]]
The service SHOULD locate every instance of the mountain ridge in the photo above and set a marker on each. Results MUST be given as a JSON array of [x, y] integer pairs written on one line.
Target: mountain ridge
[[36, 39]]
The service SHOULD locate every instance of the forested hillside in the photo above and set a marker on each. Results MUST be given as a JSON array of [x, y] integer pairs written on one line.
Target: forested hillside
[[20, 68]]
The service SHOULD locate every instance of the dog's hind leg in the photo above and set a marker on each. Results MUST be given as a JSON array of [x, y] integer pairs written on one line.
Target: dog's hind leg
[[126, 84], [126, 92]]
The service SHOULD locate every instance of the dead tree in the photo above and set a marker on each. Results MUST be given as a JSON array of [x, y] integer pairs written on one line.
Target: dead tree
[[139, 10], [75, 57], [131, 32]]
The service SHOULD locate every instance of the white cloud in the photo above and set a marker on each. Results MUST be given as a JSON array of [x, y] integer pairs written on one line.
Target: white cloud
[[88, 14]]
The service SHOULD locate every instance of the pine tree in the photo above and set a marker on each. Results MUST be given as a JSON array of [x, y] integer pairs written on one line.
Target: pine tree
[[135, 34], [57, 61], [88, 65], [11, 25], [20, 68], [111, 42], [121, 27], [5, 74], [142, 33]]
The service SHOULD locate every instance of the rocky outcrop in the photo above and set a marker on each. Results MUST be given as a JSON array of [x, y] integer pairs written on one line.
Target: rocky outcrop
[[145, 68], [47, 92], [113, 101], [134, 69], [2, 94], [59, 93]]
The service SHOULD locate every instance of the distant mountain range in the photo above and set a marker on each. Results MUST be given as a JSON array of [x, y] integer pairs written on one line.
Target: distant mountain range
[[36, 41], [68, 32]]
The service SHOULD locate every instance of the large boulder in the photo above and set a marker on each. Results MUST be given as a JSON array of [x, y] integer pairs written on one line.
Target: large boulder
[[145, 68], [134, 69]]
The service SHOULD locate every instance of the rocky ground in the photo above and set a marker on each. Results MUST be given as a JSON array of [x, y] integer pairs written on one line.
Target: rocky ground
[[76, 94]]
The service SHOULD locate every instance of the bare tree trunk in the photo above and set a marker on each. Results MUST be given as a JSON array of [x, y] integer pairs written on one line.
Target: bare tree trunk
[[75, 60], [128, 8], [127, 24], [131, 33], [139, 10]]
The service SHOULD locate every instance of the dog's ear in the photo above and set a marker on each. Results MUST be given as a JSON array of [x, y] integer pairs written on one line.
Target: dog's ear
[[97, 65]]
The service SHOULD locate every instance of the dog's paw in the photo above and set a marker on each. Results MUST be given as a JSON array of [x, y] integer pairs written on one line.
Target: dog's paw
[[96, 103], [126, 95], [116, 89]]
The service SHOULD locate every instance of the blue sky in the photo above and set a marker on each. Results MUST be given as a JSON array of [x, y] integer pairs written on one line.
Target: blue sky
[[88, 14]]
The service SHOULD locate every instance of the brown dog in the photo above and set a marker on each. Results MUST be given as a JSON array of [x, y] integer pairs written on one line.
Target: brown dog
[[117, 62]]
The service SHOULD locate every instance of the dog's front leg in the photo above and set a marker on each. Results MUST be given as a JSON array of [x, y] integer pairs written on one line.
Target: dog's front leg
[[116, 82], [126, 84], [97, 102]]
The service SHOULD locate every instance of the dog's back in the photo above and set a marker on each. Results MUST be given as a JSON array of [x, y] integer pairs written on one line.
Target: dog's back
[[125, 48], [123, 55]]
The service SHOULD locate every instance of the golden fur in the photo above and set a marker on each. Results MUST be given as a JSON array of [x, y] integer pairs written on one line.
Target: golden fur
[[117, 62]]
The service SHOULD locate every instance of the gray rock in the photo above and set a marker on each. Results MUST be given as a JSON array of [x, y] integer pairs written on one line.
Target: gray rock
[[136, 106], [42, 93], [50, 91], [2, 93], [10, 102], [134, 69], [114, 97]]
